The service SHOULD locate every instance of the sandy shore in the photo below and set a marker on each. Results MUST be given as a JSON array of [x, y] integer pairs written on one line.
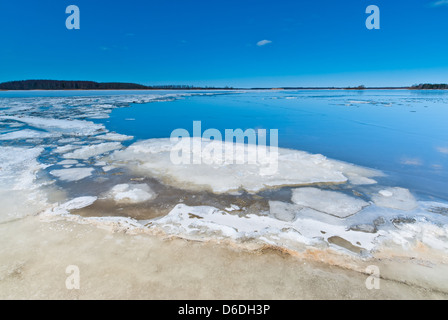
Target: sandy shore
[[115, 265]]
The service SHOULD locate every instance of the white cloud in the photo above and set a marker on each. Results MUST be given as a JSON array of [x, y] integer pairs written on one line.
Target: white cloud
[[442, 150], [411, 161], [263, 42], [440, 3]]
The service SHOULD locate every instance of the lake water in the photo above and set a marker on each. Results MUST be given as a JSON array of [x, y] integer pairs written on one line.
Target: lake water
[[356, 168], [404, 133]]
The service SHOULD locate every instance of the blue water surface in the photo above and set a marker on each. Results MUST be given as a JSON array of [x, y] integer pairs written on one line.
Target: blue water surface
[[404, 133]]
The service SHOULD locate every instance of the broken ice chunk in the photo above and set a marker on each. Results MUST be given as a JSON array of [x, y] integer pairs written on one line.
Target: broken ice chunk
[[331, 202], [131, 193], [72, 174], [395, 198]]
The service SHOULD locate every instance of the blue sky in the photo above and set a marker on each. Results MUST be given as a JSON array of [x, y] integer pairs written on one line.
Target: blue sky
[[308, 43]]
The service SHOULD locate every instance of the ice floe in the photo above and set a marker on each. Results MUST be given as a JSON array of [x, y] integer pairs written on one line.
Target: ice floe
[[114, 137], [20, 192], [19, 166], [67, 162], [65, 148], [109, 168], [72, 174], [357, 179], [395, 198], [26, 134], [131, 193], [93, 150], [72, 127], [284, 211], [331, 202], [152, 158], [73, 204]]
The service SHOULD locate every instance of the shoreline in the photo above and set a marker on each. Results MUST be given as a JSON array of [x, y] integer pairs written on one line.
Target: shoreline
[[233, 89], [68, 236], [118, 265], [417, 266]]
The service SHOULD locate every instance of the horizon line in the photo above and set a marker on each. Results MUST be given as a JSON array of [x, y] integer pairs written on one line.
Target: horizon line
[[139, 86]]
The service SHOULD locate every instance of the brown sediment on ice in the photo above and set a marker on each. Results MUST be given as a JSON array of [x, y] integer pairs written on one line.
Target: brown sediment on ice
[[418, 261], [394, 265], [115, 265], [339, 241], [400, 266], [319, 252], [166, 198], [404, 267]]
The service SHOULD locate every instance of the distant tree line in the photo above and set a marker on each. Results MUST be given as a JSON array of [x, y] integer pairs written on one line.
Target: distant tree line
[[92, 85], [424, 86], [89, 85], [361, 87], [65, 85]]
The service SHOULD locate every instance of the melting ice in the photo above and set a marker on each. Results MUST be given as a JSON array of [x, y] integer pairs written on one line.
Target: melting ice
[[52, 145]]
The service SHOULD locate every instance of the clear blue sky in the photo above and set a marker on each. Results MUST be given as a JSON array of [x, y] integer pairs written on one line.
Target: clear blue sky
[[313, 43]]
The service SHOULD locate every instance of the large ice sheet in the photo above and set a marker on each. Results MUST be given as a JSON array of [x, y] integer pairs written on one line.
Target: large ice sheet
[[152, 158]]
